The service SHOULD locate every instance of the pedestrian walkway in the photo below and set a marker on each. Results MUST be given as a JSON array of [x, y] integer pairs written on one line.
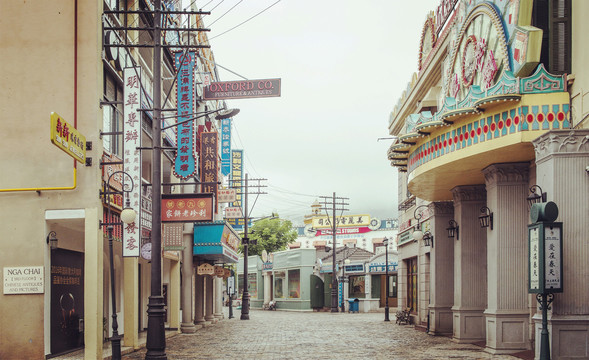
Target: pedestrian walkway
[[310, 335]]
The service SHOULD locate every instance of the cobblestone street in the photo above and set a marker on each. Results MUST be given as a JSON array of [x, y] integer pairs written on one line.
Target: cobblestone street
[[306, 335]]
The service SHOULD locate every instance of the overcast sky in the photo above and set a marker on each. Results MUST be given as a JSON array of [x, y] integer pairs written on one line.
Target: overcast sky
[[343, 65]]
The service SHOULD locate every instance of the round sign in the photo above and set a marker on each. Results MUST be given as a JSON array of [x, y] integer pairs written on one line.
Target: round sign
[[264, 255], [146, 251], [374, 224]]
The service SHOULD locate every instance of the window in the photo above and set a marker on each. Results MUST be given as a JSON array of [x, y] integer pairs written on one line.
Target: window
[[412, 284], [357, 286], [294, 284], [252, 285], [393, 286], [279, 280], [554, 18], [112, 116]]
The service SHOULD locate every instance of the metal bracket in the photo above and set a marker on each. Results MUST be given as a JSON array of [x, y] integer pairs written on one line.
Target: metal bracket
[[88, 161]]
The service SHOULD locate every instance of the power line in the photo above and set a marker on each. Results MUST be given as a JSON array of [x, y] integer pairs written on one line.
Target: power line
[[236, 26]]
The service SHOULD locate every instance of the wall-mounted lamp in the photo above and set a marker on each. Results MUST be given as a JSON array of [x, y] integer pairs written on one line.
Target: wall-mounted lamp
[[453, 229], [486, 219], [417, 233], [534, 197], [52, 240], [427, 237]]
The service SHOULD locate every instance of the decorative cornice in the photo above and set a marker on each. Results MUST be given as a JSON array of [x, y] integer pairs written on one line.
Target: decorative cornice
[[561, 142], [443, 207], [507, 172], [469, 193]]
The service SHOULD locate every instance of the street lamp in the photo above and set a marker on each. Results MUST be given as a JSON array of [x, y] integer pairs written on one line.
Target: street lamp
[[385, 241], [127, 216]]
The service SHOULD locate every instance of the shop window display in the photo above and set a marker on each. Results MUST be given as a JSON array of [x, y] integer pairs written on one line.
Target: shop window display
[[357, 286], [294, 284], [279, 280]]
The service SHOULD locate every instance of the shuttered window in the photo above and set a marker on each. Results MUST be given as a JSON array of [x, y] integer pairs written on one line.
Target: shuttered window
[[560, 36]]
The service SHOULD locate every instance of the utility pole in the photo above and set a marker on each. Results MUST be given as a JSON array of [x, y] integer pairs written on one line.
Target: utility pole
[[245, 299], [337, 203]]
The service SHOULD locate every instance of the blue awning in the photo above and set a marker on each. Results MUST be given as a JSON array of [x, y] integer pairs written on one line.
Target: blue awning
[[216, 241]]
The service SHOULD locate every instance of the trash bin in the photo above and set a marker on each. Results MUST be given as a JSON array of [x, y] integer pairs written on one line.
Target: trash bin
[[353, 305]]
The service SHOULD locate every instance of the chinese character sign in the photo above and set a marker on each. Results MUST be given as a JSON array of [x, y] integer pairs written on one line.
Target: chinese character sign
[[237, 174], [187, 207], [552, 257], [226, 146], [67, 138], [534, 238], [132, 156], [209, 162], [184, 164]]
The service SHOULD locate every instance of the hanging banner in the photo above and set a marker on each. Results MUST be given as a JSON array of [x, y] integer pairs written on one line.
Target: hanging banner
[[225, 146], [132, 157], [187, 207], [185, 163], [226, 195], [209, 162], [236, 177]]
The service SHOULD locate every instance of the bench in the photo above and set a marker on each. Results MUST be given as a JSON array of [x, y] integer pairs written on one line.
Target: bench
[[404, 316]]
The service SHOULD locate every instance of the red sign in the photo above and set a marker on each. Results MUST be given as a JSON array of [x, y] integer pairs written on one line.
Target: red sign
[[242, 89], [187, 207], [209, 162]]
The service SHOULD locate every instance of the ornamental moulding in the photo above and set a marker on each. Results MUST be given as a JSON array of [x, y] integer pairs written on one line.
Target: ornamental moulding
[[561, 142], [469, 193], [507, 173]]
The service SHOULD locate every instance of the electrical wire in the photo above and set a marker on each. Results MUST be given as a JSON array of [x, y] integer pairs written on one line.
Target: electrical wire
[[238, 25], [234, 6]]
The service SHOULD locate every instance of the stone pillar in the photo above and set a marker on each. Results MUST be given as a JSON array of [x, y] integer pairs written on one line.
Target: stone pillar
[[470, 265], [199, 300], [209, 295], [561, 171], [507, 295], [174, 305], [267, 287], [187, 325], [93, 285], [441, 276], [131, 302], [218, 298]]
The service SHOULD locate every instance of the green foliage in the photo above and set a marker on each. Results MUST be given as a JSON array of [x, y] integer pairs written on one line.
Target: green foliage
[[272, 235]]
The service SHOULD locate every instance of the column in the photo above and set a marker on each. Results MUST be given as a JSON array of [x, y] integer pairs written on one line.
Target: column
[[209, 294], [174, 305], [199, 300], [187, 325], [470, 265], [507, 315], [441, 278], [93, 285], [218, 297], [131, 302], [267, 285], [561, 172]]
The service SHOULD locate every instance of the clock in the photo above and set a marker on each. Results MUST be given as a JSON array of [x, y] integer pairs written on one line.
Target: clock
[[146, 251]]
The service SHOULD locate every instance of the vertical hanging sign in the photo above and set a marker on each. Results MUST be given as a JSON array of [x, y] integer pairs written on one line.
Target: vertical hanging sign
[[132, 156], [184, 164], [209, 162], [236, 177], [225, 146]]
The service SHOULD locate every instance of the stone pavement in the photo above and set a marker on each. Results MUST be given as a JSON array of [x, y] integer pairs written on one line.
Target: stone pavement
[[314, 335]]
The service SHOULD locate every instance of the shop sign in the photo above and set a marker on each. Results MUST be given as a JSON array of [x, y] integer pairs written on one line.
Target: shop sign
[[233, 212], [545, 257], [405, 225], [343, 231], [173, 236], [443, 12], [67, 138], [348, 220], [267, 266], [219, 271], [132, 155], [405, 237], [23, 280], [205, 269], [230, 239], [242, 89], [209, 162], [187, 207], [226, 195], [237, 174], [185, 163], [226, 147], [379, 267]]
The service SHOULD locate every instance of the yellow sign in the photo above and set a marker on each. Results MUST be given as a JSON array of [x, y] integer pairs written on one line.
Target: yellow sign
[[205, 269], [341, 221], [67, 138]]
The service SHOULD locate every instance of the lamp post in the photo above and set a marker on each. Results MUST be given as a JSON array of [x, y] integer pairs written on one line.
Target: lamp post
[[245, 300], [127, 216], [385, 241]]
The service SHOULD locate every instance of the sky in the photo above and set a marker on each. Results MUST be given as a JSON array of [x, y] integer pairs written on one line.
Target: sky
[[343, 66]]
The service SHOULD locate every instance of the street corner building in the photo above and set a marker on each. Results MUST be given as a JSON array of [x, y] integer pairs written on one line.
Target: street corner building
[[494, 117], [81, 90]]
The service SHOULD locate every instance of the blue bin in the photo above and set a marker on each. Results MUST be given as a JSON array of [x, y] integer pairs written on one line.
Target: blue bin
[[353, 305]]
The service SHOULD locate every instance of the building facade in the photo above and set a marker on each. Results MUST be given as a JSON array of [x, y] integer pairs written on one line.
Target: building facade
[[71, 81], [498, 105]]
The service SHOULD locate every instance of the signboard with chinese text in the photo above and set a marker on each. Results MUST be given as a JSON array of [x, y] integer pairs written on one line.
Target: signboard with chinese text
[[348, 220], [209, 162], [226, 195], [237, 178], [185, 163], [545, 257], [205, 269], [242, 89], [216, 241], [225, 146], [233, 212], [24, 280], [132, 157], [67, 138], [187, 207], [172, 233]]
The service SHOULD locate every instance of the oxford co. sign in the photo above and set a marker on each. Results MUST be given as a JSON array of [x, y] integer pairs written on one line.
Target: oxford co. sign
[[242, 89]]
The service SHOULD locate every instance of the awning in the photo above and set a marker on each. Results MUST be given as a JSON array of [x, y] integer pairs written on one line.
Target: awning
[[216, 241]]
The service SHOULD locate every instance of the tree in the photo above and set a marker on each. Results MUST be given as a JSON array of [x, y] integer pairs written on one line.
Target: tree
[[271, 235]]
